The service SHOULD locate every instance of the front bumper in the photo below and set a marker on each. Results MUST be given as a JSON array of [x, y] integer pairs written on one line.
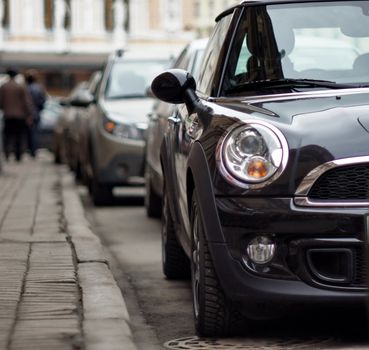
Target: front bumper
[[118, 161], [307, 242]]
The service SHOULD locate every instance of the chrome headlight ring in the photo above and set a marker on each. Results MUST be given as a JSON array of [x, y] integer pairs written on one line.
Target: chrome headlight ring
[[252, 154]]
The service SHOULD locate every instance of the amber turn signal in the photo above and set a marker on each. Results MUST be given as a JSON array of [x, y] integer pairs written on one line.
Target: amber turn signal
[[257, 168], [109, 126]]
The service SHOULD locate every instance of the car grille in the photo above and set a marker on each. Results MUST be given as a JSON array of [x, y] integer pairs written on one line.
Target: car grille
[[342, 183]]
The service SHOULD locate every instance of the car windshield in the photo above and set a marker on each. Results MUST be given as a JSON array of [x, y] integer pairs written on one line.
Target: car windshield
[[130, 79], [300, 44]]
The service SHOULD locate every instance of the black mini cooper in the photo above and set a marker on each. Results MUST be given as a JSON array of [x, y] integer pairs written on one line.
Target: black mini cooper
[[266, 162]]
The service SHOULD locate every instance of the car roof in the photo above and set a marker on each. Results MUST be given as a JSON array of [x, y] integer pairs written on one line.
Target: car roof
[[244, 3]]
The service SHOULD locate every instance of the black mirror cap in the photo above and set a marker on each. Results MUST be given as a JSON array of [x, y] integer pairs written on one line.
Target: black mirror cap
[[171, 85]]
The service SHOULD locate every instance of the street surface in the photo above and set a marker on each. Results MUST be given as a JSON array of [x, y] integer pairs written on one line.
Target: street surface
[[161, 310]]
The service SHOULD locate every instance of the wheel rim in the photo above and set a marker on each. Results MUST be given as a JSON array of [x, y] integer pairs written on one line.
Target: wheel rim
[[195, 265]]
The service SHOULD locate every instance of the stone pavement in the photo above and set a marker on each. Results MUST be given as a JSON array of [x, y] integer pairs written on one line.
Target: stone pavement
[[56, 287]]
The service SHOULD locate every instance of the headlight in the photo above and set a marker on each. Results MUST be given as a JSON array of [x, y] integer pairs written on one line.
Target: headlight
[[253, 153], [126, 131]]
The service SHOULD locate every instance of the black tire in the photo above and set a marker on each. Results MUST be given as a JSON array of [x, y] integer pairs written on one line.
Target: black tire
[[101, 194], [78, 172], [153, 203], [57, 159], [214, 314], [57, 155], [175, 262]]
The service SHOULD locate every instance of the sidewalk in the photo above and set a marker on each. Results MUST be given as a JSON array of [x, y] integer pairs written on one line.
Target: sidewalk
[[56, 288]]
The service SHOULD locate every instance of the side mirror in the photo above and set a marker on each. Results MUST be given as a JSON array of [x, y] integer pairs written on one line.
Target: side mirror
[[174, 86], [64, 102], [83, 100]]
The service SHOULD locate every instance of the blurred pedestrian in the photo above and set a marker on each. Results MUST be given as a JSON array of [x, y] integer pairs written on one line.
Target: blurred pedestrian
[[38, 100], [16, 104]]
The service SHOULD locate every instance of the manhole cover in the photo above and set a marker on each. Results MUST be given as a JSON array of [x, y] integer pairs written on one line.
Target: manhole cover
[[207, 344], [245, 344]]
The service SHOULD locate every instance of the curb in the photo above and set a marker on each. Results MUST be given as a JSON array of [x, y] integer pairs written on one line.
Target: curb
[[106, 323]]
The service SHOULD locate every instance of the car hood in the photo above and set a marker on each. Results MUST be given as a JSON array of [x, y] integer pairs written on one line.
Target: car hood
[[132, 110], [319, 126]]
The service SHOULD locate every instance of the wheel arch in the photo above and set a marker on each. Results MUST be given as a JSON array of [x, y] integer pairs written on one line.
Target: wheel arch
[[199, 179]]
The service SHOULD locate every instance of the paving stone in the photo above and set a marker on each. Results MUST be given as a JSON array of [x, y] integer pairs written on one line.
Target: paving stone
[[89, 251], [102, 299], [5, 327], [81, 231], [108, 334], [45, 334]]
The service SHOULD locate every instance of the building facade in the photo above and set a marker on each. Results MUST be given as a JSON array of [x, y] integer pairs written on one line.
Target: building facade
[[205, 12], [68, 39]]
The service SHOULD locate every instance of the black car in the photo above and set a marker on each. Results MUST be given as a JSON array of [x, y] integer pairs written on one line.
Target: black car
[[266, 162]]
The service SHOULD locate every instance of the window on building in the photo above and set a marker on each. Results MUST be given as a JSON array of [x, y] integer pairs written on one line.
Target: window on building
[[68, 16], [109, 15], [5, 18], [48, 14]]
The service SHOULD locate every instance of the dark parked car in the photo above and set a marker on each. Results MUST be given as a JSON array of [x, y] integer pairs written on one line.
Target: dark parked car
[[189, 59], [266, 164]]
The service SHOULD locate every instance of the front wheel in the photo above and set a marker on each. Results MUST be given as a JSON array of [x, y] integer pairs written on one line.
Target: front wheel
[[214, 314], [153, 202], [101, 194]]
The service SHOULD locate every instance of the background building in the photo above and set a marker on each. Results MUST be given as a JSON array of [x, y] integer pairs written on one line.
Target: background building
[[204, 13], [66, 40]]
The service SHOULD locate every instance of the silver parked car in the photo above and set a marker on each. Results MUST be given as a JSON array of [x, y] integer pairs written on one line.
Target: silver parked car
[[117, 123], [189, 59]]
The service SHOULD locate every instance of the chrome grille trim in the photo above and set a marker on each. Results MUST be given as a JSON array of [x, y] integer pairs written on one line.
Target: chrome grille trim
[[301, 193]]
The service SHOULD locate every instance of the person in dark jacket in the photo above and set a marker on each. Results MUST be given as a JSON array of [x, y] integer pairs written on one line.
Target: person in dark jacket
[[38, 99], [16, 104]]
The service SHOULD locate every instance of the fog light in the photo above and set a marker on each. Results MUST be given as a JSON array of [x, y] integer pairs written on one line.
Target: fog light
[[261, 250]]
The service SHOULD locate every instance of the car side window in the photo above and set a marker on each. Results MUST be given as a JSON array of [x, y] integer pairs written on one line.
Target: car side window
[[211, 55], [183, 59]]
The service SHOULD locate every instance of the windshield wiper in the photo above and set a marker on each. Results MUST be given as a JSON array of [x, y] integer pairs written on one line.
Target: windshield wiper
[[289, 82]]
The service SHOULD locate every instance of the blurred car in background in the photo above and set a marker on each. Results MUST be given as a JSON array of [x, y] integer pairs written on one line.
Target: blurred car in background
[[117, 121], [48, 118], [78, 126], [189, 60], [61, 136]]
